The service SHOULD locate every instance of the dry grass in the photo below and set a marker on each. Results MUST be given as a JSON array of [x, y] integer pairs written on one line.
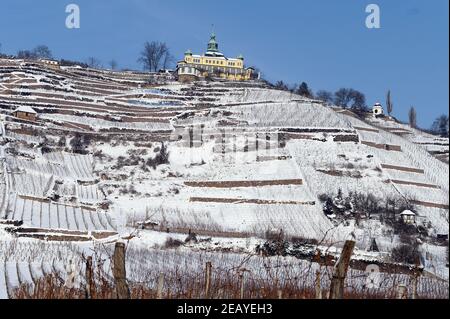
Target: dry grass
[[227, 287], [184, 278]]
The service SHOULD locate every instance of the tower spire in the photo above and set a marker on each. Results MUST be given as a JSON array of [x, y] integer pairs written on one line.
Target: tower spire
[[213, 45]]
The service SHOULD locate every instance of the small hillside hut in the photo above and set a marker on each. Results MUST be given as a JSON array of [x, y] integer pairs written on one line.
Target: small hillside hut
[[25, 112]]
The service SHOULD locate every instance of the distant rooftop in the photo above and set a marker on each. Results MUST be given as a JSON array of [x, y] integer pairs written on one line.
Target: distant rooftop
[[408, 213], [25, 109]]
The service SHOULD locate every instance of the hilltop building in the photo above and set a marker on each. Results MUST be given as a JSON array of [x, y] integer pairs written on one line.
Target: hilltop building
[[377, 109], [50, 63], [212, 64]]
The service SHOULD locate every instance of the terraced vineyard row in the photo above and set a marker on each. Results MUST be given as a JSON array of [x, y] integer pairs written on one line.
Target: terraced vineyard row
[[13, 274], [44, 214], [30, 184], [78, 167]]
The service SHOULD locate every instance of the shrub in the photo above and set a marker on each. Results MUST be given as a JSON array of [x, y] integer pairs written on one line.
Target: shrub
[[276, 245], [301, 241], [79, 143], [274, 248], [99, 154], [366, 204], [123, 161], [402, 229], [62, 141], [406, 254], [274, 235], [172, 243], [162, 157], [191, 238]]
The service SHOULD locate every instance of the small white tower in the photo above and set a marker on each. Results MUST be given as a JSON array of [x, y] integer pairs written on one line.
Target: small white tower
[[377, 109], [408, 217]]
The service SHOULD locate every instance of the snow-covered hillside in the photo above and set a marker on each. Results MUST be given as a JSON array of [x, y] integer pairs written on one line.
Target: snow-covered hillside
[[112, 151]]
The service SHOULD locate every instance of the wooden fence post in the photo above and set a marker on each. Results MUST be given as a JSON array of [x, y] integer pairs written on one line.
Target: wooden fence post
[[340, 271], [318, 286], [280, 294], [402, 292], [89, 279], [119, 272], [242, 280], [159, 291], [415, 284], [208, 273]]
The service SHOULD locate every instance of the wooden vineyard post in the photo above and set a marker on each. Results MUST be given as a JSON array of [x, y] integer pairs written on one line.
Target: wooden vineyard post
[[159, 290], [280, 294], [402, 292], [89, 279], [317, 286], [415, 284], [242, 281], [340, 271], [119, 272], [208, 273]]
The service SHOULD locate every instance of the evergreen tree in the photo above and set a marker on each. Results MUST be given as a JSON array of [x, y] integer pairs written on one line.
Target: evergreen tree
[[304, 90], [441, 126], [412, 115], [389, 104]]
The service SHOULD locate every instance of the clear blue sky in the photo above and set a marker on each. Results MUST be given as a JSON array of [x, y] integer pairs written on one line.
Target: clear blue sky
[[322, 42]]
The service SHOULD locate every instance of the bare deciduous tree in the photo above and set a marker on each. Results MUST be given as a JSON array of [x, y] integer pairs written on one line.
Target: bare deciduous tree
[[113, 64], [344, 96], [93, 62], [156, 55], [325, 96], [280, 85], [168, 60], [359, 100], [39, 52], [42, 52]]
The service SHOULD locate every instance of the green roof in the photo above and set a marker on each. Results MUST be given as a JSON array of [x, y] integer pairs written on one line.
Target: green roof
[[213, 45]]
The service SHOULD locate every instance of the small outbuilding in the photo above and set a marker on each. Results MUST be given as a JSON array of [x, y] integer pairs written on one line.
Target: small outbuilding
[[377, 109], [51, 63], [25, 112], [188, 74], [408, 217]]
